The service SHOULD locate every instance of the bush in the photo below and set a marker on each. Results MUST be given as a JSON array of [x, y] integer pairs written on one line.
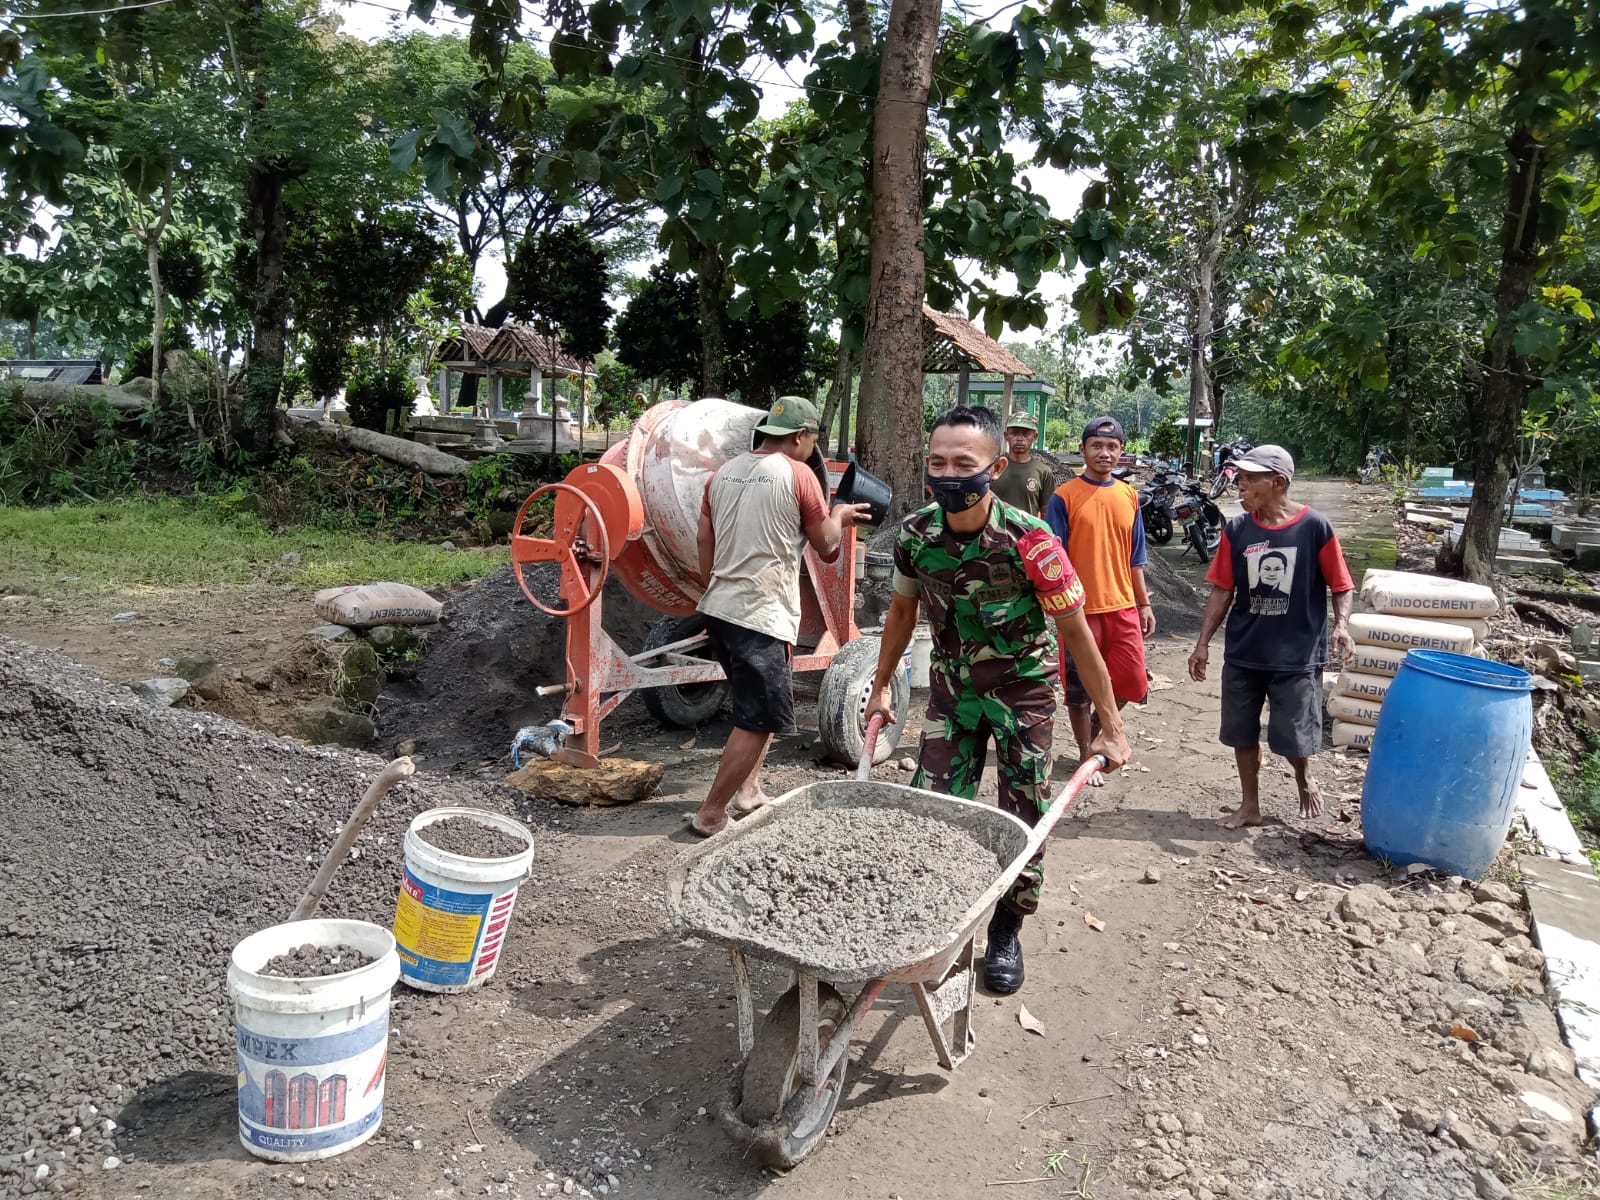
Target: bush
[[373, 394], [174, 337]]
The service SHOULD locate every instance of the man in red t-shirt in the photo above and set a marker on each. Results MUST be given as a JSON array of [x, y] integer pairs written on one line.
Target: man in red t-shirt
[[1276, 566]]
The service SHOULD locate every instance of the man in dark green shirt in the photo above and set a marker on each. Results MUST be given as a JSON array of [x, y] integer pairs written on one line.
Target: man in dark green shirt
[[1027, 482]]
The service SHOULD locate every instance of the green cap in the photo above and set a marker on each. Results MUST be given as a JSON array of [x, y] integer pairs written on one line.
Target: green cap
[[1022, 419], [791, 414]]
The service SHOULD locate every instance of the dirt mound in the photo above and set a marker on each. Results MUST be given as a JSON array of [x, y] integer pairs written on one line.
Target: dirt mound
[[141, 844], [1178, 605], [475, 685]]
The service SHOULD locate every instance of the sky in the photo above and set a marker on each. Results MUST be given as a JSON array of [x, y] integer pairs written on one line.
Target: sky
[[374, 19]]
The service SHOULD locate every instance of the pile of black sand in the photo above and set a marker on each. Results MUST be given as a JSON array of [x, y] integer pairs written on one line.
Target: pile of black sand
[[475, 686]]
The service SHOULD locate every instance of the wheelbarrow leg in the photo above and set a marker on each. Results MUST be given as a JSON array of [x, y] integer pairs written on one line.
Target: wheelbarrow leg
[[746, 1002], [807, 985], [950, 1001]]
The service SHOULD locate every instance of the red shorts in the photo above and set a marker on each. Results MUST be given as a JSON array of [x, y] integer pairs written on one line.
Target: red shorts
[[1122, 646]]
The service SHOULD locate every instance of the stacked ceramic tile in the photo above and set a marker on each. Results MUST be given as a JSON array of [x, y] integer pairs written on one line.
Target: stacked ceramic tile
[[1402, 612]]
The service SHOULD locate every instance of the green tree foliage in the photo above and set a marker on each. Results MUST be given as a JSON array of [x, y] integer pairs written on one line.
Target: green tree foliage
[[558, 282], [658, 334]]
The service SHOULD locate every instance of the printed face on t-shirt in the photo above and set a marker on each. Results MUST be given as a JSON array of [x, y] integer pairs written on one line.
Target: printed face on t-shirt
[[1271, 577]]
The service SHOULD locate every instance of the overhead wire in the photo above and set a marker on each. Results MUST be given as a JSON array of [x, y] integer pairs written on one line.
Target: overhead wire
[[82, 12]]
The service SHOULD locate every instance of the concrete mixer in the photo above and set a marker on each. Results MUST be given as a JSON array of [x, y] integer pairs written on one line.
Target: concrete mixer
[[636, 514]]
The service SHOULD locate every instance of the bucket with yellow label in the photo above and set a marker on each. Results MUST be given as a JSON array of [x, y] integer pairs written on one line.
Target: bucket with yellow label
[[453, 913]]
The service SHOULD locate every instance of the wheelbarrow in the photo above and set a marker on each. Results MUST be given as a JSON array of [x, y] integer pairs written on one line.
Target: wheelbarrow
[[782, 1095]]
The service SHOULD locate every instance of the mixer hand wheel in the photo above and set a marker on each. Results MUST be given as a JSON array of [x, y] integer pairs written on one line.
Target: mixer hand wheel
[[558, 548]]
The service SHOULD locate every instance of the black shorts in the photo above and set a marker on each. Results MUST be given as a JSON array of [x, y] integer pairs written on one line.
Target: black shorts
[[1294, 722], [760, 676]]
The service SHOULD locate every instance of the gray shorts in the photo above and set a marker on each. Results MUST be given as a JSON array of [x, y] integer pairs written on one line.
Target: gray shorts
[[1294, 718]]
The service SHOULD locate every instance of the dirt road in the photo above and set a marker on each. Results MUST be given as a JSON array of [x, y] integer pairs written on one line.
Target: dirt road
[[1245, 1024]]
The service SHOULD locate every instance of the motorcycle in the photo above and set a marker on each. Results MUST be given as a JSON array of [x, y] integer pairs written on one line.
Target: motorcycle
[[1228, 466], [1155, 506], [1368, 470], [1202, 521]]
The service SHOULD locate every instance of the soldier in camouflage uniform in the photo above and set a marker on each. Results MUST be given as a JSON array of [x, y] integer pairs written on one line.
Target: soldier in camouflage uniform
[[990, 579]]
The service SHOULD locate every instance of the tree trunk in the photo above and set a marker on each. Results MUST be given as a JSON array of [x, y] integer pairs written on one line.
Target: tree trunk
[[1504, 388], [158, 305], [860, 20], [269, 306], [838, 390], [1200, 337], [890, 408], [712, 278]]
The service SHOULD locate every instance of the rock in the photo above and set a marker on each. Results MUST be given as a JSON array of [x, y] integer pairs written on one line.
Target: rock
[[1194, 1123], [1168, 1123], [1419, 1119], [614, 781], [163, 693], [1166, 1169], [1451, 903], [908, 763], [360, 677], [326, 722], [1152, 874], [1360, 936], [1489, 1187], [1531, 959], [391, 637], [332, 633], [1474, 1140], [406, 748], [1481, 967], [1498, 917], [195, 666], [111, 1163], [209, 687], [1221, 989], [1554, 1063], [1492, 892], [1404, 956], [447, 544], [291, 559], [1369, 905]]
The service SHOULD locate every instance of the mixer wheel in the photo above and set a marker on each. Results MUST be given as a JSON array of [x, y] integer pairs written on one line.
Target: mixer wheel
[[693, 704], [842, 704]]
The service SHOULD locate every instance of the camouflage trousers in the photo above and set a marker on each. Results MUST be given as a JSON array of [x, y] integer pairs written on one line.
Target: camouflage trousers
[[1020, 718]]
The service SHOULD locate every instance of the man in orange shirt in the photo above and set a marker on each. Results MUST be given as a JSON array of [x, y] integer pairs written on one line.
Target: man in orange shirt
[[1097, 518]]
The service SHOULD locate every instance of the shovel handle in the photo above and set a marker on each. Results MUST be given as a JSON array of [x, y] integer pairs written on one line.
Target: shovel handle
[[869, 749], [1091, 766]]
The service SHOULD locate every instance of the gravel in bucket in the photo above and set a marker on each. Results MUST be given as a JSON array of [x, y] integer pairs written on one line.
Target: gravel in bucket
[[471, 839], [311, 961], [841, 887]]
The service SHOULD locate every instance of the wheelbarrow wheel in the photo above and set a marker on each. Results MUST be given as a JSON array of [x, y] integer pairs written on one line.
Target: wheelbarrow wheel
[[772, 1081], [842, 704], [693, 704]]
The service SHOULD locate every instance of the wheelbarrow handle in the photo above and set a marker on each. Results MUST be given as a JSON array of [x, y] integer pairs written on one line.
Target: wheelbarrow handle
[[1091, 766], [869, 749]]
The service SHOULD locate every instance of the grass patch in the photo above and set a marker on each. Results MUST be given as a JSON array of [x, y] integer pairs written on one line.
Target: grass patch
[[169, 544]]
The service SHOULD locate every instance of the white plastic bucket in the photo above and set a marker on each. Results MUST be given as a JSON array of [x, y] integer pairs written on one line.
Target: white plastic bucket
[[921, 655], [311, 1052], [453, 912]]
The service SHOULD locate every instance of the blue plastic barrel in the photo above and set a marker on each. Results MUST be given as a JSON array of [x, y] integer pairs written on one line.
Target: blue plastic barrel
[[1446, 762]]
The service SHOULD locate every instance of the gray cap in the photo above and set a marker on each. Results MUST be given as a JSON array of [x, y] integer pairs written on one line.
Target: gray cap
[[1268, 460]]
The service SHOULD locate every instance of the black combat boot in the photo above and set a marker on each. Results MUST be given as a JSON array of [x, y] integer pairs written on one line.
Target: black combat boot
[[1002, 960]]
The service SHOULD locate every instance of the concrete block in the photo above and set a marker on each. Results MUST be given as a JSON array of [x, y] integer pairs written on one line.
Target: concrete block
[[1564, 901], [1589, 668], [1529, 564], [1586, 554], [1564, 536]]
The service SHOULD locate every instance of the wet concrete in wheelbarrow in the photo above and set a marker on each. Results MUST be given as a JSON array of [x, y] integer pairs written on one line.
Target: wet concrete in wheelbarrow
[[841, 887]]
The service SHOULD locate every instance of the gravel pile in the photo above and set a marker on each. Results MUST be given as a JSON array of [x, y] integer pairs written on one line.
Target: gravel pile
[[311, 961], [843, 887], [464, 836], [140, 845]]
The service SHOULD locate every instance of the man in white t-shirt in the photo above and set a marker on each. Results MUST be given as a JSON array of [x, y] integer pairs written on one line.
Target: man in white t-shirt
[[760, 512]]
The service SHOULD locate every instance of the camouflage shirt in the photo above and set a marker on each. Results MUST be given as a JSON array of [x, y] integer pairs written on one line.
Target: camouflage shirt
[[987, 599]]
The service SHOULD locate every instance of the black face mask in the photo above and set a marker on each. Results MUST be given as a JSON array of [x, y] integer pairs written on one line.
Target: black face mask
[[959, 492]]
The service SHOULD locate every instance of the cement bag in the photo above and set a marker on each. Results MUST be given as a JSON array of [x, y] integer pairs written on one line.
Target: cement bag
[[1375, 660], [377, 604], [1401, 593], [1363, 710], [1348, 733], [1363, 687], [1377, 629]]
